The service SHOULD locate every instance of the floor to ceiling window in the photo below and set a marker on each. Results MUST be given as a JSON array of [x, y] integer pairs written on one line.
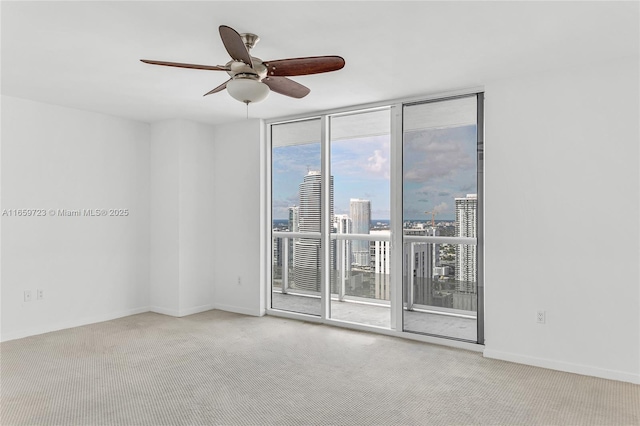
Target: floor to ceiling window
[[359, 164], [376, 217], [440, 217], [296, 187]]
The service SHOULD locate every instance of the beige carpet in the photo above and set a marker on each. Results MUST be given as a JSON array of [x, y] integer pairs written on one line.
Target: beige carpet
[[223, 368]]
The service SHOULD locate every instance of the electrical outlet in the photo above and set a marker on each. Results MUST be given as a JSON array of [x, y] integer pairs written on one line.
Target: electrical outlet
[[541, 317], [27, 295], [239, 280], [39, 294]]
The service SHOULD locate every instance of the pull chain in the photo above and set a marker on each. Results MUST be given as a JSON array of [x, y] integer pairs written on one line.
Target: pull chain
[[247, 103]]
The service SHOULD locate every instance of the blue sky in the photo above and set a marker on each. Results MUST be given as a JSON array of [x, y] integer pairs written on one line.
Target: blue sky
[[438, 166]]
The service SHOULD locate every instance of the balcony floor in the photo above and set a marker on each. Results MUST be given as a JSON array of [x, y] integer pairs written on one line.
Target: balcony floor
[[379, 316]]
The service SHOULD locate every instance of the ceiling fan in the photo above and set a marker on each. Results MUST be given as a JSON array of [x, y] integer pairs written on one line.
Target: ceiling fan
[[252, 78]]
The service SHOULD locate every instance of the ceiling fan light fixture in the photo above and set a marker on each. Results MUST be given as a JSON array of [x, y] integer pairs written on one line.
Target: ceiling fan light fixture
[[247, 90], [247, 72]]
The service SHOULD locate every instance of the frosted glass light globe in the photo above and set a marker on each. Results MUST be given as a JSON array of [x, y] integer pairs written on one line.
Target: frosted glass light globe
[[247, 90]]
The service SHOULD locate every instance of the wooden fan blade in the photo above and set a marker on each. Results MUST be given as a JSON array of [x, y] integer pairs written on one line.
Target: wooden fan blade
[[286, 87], [218, 89], [234, 45], [192, 66], [303, 66]]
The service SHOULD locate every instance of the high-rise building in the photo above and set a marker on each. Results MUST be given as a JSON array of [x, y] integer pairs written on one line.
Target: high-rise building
[[342, 249], [381, 257], [277, 252], [423, 266], [466, 260], [294, 226], [360, 212], [307, 251], [294, 222], [342, 224]]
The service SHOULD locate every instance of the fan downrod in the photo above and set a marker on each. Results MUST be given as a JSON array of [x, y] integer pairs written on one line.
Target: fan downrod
[[249, 40]]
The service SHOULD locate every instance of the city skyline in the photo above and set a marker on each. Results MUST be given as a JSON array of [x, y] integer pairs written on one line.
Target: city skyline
[[437, 274], [439, 165], [360, 168]]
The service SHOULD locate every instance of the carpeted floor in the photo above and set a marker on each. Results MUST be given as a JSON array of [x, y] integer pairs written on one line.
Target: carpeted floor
[[223, 368]]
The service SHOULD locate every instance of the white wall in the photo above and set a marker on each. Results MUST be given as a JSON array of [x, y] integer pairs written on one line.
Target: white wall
[[238, 150], [165, 217], [90, 268], [562, 220], [97, 268], [197, 211], [182, 217]]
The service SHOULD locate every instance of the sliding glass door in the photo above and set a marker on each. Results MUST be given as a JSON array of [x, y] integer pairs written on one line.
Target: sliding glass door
[[337, 182], [360, 234], [440, 218]]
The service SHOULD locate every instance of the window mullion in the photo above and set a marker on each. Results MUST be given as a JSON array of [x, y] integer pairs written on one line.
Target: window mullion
[[396, 217], [480, 217], [325, 215]]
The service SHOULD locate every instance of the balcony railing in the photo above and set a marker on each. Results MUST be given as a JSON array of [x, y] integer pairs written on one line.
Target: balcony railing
[[424, 289]]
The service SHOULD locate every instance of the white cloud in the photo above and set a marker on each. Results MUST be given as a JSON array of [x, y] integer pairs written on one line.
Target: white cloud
[[442, 207], [437, 155], [378, 164]]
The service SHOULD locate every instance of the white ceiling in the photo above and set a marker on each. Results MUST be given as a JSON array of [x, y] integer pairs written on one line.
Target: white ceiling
[[86, 54]]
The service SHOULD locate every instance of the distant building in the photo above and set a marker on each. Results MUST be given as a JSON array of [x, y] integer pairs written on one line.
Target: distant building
[[342, 225], [294, 221], [466, 261], [442, 271], [380, 258], [423, 266], [307, 251], [360, 213], [277, 251], [294, 226]]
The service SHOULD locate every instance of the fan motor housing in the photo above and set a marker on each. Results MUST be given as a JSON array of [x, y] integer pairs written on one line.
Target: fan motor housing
[[237, 67]]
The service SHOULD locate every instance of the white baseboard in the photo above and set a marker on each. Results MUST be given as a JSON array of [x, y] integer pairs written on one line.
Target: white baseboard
[[70, 324], [195, 310], [165, 311], [585, 370], [238, 310], [181, 312], [34, 331]]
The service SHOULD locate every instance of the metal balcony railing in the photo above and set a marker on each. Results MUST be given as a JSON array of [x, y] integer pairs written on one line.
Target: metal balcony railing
[[368, 284]]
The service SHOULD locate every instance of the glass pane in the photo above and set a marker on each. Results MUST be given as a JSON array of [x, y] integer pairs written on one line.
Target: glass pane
[[436, 301], [296, 196], [361, 294], [360, 281], [440, 200]]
